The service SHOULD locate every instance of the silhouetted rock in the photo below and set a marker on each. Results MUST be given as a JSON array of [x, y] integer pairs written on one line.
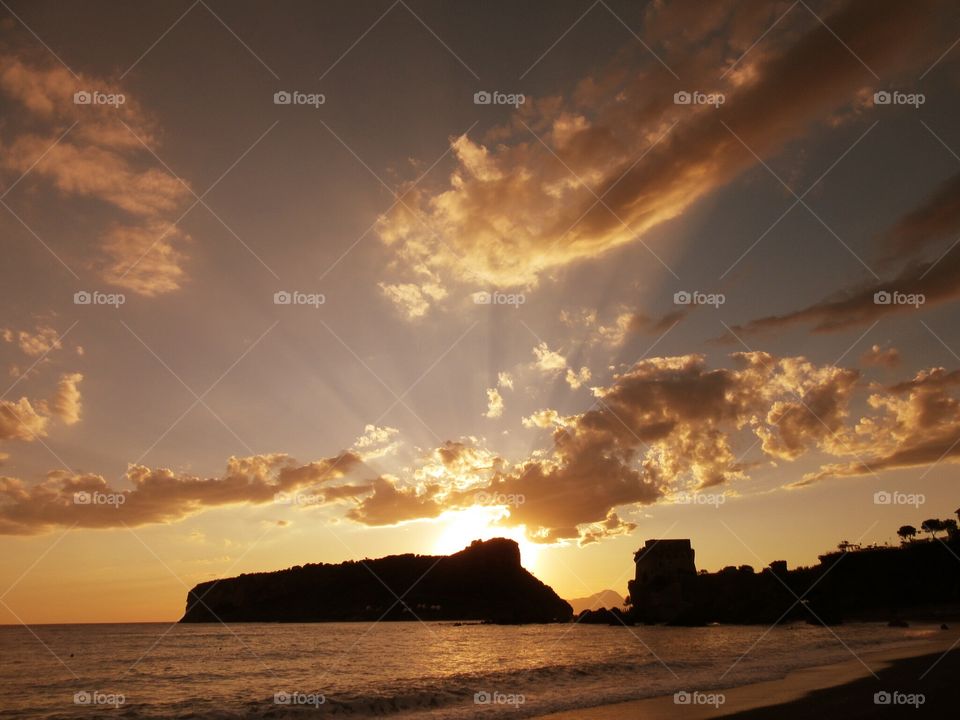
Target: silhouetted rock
[[603, 616], [485, 581]]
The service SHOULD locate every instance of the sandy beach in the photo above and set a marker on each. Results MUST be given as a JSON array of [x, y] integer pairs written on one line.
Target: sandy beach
[[825, 692]]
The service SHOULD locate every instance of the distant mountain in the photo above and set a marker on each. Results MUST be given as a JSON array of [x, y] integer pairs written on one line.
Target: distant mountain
[[485, 581], [603, 599]]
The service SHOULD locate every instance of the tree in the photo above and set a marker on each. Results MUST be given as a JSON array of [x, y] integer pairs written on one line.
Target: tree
[[907, 533], [932, 526], [949, 525]]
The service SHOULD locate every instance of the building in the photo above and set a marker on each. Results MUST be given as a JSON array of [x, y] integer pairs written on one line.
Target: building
[[664, 559], [664, 568]]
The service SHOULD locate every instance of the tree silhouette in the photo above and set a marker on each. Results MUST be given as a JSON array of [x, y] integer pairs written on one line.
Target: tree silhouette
[[907, 533], [932, 526]]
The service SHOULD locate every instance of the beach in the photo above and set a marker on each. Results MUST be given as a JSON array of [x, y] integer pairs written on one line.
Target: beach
[[920, 680]]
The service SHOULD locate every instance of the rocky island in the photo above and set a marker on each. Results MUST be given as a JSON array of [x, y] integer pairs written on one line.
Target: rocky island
[[483, 582]]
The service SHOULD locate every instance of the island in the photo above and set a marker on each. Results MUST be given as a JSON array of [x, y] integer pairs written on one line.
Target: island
[[484, 582]]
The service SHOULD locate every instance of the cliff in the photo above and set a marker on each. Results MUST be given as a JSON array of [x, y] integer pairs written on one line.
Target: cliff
[[485, 581]]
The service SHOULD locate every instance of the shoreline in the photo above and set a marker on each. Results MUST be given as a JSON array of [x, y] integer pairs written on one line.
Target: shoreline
[[806, 692]]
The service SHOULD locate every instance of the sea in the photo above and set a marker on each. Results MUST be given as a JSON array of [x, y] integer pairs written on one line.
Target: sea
[[398, 669]]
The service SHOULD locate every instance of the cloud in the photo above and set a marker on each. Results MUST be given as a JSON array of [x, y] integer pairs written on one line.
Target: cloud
[[880, 357], [916, 423], [546, 418], [411, 299], [390, 504], [937, 281], [665, 424], [376, 442], [20, 421], [505, 380], [29, 420], [547, 360], [494, 403], [66, 402], [516, 206], [551, 362], [938, 217], [577, 379], [40, 342], [156, 496], [92, 152], [144, 258]]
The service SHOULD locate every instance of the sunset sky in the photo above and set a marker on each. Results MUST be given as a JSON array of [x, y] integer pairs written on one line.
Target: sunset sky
[[586, 407]]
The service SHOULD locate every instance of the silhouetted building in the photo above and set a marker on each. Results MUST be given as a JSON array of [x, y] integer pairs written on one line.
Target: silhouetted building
[[663, 570]]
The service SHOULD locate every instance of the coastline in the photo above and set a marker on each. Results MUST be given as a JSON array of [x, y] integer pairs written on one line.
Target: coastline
[[808, 692]]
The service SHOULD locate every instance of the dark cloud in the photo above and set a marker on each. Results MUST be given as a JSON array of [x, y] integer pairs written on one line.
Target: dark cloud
[[87, 500]]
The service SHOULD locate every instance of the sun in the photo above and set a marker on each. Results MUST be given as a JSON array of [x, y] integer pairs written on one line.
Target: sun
[[461, 527]]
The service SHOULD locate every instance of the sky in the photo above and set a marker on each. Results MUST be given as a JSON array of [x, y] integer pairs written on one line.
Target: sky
[[310, 282]]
